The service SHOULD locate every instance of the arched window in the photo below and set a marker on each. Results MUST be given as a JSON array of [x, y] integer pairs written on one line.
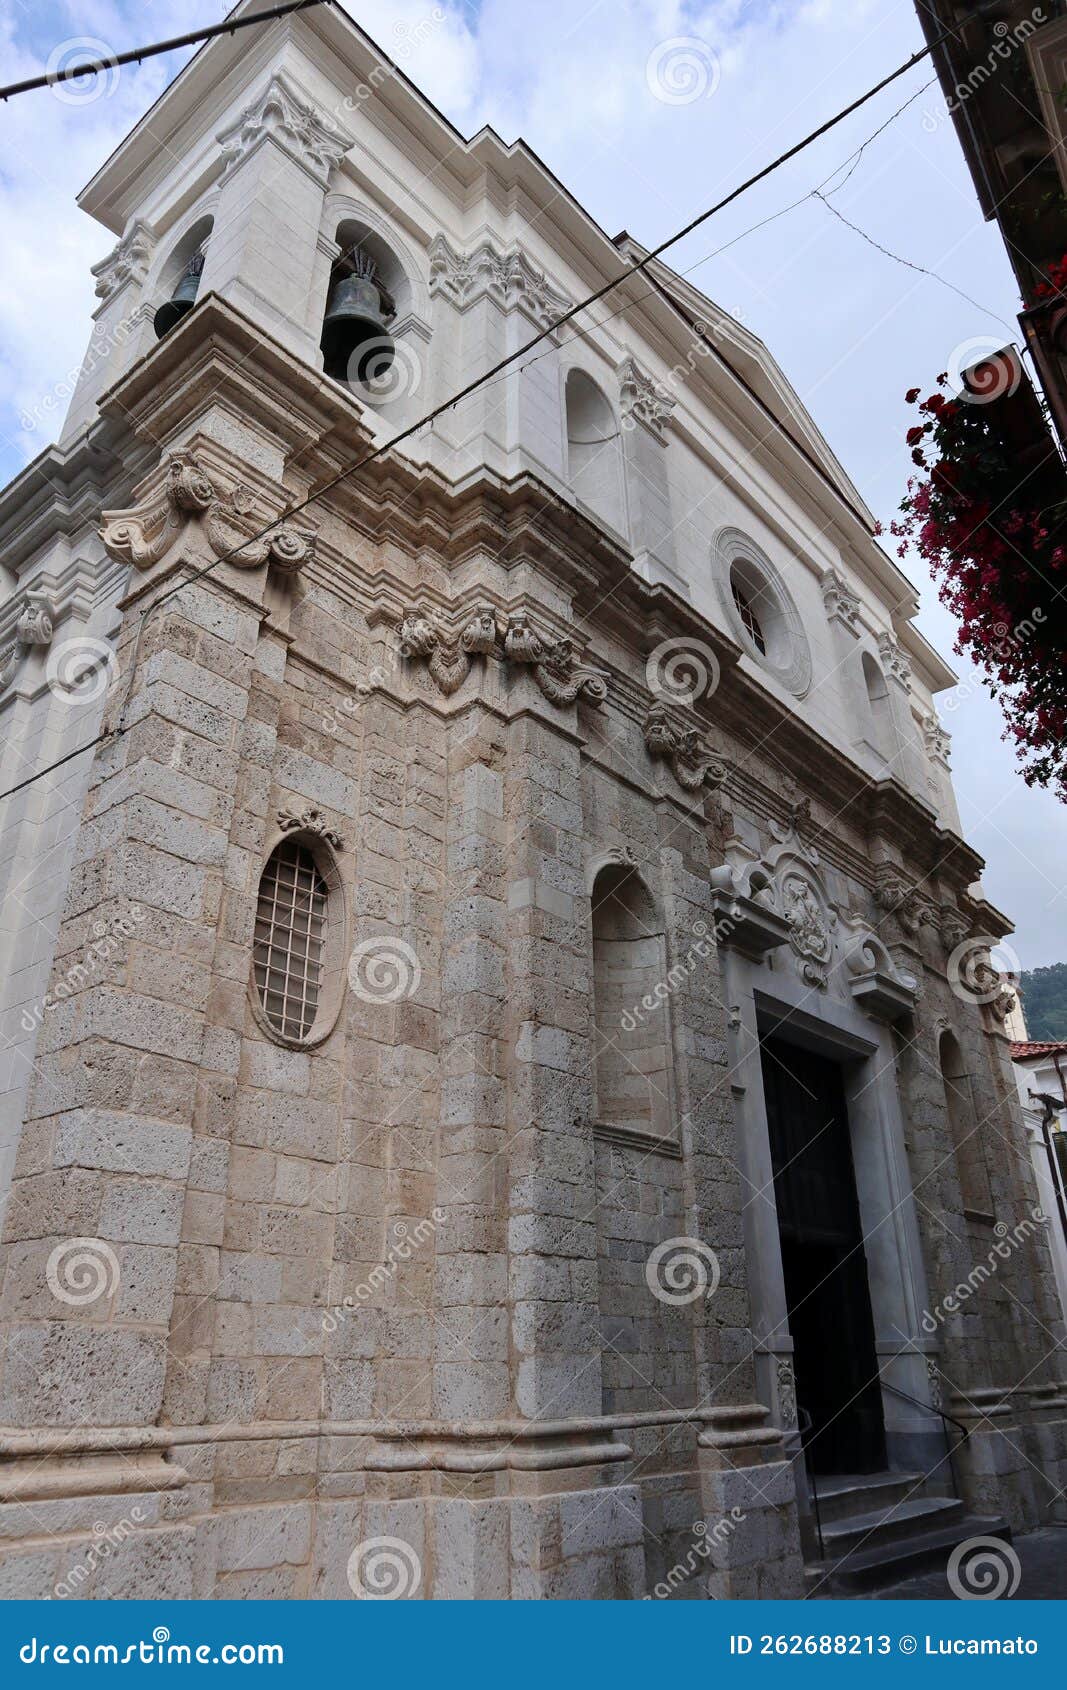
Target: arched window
[[594, 459], [965, 1125], [179, 279], [298, 940], [630, 999], [882, 732], [368, 301]]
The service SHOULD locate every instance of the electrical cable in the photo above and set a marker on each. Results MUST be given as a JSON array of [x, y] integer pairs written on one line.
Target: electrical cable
[[635, 269]]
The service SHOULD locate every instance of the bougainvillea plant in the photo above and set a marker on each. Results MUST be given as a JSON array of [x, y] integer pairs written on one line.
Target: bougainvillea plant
[[992, 528]]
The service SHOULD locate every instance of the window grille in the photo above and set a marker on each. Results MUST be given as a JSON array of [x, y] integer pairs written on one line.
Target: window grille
[[749, 618], [289, 939]]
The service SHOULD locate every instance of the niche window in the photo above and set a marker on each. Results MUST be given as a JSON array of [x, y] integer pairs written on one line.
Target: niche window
[[594, 462], [632, 1028], [883, 733], [291, 938], [966, 1130]]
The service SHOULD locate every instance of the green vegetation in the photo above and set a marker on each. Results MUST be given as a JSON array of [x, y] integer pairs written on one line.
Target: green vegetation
[[1044, 992]]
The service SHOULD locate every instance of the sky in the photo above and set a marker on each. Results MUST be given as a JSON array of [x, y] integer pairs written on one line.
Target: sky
[[648, 111]]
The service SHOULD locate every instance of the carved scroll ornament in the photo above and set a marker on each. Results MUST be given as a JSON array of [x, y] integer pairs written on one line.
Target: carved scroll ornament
[[683, 748], [556, 669], [145, 533], [448, 659]]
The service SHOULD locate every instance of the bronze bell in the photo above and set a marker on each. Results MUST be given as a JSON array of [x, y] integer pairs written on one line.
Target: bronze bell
[[183, 298], [355, 342]]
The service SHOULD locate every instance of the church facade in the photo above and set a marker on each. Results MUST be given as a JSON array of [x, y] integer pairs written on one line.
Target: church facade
[[507, 1097]]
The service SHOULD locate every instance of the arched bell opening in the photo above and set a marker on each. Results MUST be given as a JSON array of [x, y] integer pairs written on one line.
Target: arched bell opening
[[369, 294], [180, 277]]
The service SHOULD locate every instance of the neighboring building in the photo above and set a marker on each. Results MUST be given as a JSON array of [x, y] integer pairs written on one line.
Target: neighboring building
[[1041, 1075], [520, 1043], [1003, 72]]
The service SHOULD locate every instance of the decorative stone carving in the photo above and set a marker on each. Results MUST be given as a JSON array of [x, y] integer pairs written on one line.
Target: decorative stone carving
[[798, 821], [787, 1390], [933, 1375], [903, 899], [743, 904], [127, 262], [282, 113], [1003, 1005], [144, 534], [876, 983], [556, 670], [506, 276], [684, 748], [641, 399], [448, 660], [937, 739], [809, 927], [894, 659], [840, 602], [310, 821], [34, 626], [955, 928]]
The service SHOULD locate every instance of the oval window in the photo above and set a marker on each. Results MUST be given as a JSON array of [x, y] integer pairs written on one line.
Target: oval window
[[291, 937]]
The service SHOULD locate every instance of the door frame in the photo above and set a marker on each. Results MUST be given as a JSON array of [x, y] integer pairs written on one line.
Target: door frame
[[760, 1002]]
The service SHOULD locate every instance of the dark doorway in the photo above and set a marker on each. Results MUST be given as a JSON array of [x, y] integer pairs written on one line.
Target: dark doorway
[[825, 1266]]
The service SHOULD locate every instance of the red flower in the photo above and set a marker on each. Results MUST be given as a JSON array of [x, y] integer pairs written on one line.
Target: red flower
[[914, 435], [911, 396]]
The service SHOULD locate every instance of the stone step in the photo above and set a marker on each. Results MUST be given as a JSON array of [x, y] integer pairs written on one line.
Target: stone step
[[843, 1496], [885, 1562], [885, 1525]]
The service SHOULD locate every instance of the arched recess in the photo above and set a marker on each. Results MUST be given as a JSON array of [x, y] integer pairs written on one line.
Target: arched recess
[[173, 257], [399, 380], [964, 1124], [630, 999], [594, 449], [881, 730]]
